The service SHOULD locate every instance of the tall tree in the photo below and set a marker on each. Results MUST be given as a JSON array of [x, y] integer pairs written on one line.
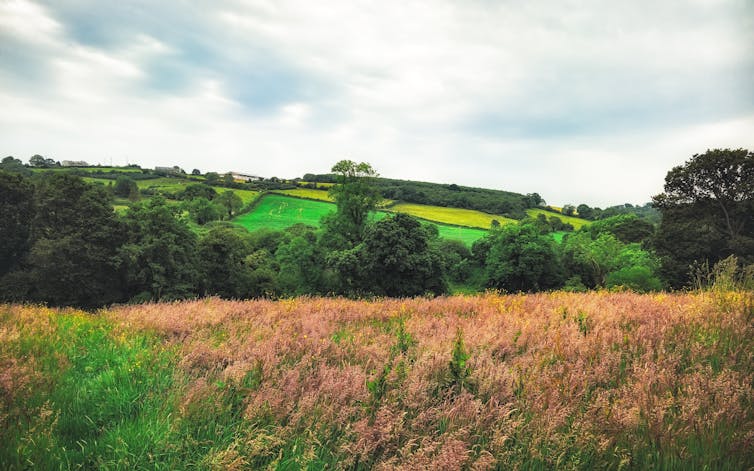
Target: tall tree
[[355, 196], [521, 258], [229, 200], [707, 211], [160, 253], [398, 260], [75, 237]]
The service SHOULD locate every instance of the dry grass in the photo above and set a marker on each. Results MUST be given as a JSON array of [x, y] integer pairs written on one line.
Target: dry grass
[[571, 381]]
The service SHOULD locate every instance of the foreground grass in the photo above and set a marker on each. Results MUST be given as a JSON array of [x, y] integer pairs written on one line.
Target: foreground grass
[[568, 381]]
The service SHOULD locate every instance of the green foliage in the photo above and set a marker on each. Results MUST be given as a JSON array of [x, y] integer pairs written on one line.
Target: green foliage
[[197, 190], [201, 210], [73, 239], [301, 261], [398, 260], [708, 212], [13, 165], [627, 228], [521, 258], [355, 197], [160, 253], [222, 261], [16, 211], [125, 187], [230, 201], [459, 371]]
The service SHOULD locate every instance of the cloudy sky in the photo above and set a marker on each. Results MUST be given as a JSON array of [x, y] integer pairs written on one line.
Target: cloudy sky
[[581, 101]]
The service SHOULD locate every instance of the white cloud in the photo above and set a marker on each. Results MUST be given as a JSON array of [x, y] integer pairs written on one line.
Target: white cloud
[[580, 101]]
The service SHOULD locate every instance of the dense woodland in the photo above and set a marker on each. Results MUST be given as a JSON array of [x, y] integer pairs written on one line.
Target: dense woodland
[[64, 245]]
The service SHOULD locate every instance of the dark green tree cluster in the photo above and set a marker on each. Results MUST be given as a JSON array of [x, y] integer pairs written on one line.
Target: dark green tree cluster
[[707, 212]]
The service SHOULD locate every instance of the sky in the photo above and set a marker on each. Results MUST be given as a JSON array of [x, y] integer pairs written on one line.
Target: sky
[[582, 101]]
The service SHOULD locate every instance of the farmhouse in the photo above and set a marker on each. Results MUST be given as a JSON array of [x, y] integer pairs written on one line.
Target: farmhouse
[[74, 163], [245, 177]]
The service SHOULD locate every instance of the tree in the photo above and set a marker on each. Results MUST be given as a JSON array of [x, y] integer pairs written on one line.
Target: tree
[[159, 255], [354, 196], [568, 210], [196, 190], [201, 210], [196, 172], [125, 187], [230, 201], [75, 237], [707, 211], [212, 178], [13, 165], [222, 261], [301, 261], [521, 258], [592, 259], [16, 213], [37, 160], [398, 260], [585, 211]]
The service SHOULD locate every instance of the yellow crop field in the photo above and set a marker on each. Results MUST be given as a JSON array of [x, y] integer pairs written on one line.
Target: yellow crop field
[[308, 193], [577, 223], [455, 216]]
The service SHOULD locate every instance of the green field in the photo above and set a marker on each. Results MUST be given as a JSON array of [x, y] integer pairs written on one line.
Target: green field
[[577, 223], [454, 216], [279, 212]]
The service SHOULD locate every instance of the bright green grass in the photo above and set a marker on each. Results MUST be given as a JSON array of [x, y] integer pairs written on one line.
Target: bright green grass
[[101, 398], [279, 212], [455, 216], [577, 223]]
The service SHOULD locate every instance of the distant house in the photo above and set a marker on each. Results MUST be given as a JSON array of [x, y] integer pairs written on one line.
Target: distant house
[[245, 177], [74, 163], [174, 170]]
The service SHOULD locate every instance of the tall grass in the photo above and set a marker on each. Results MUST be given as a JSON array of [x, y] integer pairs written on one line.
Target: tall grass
[[567, 381]]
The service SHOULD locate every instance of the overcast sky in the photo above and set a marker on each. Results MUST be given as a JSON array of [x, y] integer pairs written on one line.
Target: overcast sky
[[581, 101]]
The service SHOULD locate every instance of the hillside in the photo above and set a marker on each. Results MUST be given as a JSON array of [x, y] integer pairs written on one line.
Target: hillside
[[278, 211], [569, 381]]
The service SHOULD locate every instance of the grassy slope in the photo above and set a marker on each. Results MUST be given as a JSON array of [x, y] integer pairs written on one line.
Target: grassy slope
[[570, 381]]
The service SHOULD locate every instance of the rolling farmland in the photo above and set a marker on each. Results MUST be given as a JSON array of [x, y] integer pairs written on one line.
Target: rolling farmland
[[276, 211]]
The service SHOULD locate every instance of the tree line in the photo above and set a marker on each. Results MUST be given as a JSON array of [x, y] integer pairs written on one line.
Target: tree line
[[64, 245]]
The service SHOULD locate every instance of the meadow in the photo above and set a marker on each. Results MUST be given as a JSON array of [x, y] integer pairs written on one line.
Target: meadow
[[279, 212], [557, 380]]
